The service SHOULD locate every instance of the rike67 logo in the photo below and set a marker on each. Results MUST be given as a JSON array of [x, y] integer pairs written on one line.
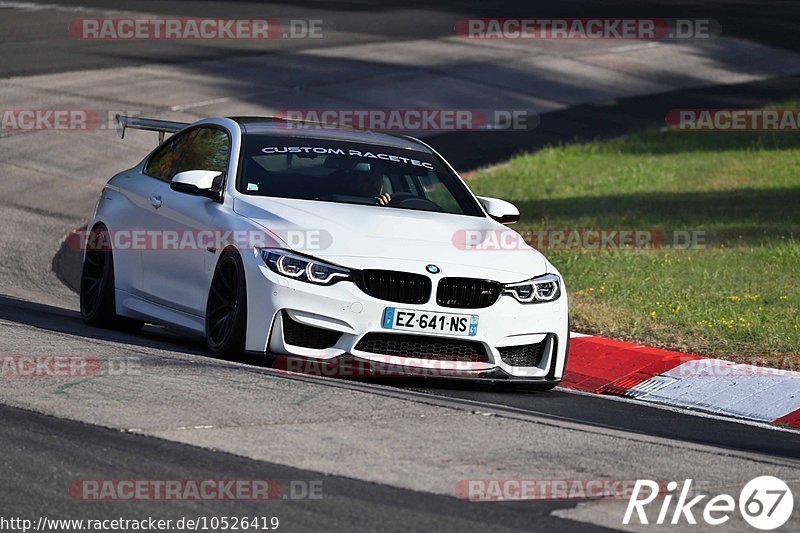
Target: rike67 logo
[[765, 503]]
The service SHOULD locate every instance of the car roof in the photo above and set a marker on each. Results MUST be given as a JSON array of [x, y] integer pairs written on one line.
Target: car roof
[[315, 130]]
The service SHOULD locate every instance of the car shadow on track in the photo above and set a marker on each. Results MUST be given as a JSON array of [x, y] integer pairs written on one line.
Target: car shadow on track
[[556, 404], [443, 385], [65, 321]]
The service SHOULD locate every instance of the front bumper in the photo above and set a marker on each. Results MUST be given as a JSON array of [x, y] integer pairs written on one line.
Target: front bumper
[[345, 309]]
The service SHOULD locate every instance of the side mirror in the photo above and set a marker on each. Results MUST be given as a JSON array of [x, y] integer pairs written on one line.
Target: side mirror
[[500, 210], [197, 182]]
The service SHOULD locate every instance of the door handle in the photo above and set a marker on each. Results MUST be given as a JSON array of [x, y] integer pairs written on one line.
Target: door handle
[[155, 201]]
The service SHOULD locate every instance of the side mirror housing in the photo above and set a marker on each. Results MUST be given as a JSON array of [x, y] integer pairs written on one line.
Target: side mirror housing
[[197, 182], [500, 210]]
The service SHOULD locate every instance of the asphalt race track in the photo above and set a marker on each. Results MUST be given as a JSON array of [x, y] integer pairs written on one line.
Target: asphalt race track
[[388, 456], [73, 450]]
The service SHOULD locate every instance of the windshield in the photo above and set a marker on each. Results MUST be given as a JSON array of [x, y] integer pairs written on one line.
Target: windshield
[[354, 173]]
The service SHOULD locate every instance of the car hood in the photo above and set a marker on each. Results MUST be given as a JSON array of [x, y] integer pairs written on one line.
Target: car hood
[[369, 236]]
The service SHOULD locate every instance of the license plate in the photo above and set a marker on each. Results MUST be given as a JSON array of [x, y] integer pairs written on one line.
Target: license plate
[[430, 321]]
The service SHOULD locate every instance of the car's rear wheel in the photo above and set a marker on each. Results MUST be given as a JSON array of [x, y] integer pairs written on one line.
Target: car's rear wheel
[[226, 310], [98, 307]]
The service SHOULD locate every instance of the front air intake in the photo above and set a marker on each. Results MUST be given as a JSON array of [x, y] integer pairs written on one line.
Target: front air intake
[[305, 336], [523, 355], [467, 293], [423, 347], [393, 286]]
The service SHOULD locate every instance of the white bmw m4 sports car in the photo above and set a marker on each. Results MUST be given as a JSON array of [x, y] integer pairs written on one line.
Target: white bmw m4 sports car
[[285, 239]]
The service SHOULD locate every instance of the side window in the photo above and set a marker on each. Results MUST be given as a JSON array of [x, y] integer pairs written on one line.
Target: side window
[[163, 162], [209, 151]]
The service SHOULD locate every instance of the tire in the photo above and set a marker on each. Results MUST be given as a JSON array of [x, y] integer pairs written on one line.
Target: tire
[[98, 306], [226, 308]]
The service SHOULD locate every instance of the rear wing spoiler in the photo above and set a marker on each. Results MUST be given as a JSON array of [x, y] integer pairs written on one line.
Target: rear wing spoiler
[[149, 124]]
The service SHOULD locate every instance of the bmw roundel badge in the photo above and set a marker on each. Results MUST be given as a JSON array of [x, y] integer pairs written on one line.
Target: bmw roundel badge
[[433, 269]]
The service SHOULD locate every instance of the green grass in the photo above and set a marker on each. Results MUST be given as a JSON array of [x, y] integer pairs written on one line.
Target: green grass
[[738, 297]]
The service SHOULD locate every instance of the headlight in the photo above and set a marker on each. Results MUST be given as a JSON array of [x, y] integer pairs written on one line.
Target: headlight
[[302, 267], [537, 290]]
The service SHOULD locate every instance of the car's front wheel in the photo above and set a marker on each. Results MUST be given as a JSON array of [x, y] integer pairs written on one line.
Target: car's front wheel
[[226, 309], [98, 307]]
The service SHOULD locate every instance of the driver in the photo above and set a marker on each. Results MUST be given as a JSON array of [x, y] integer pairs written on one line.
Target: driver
[[370, 183]]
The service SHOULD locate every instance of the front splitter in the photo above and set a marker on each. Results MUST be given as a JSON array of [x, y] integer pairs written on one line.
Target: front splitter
[[349, 366]]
